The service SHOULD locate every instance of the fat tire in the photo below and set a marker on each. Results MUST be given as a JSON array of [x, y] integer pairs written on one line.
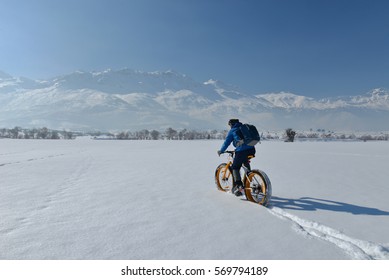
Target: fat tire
[[266, 189], [219, 184]]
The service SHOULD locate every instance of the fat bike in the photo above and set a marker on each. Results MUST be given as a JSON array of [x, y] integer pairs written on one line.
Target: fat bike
[[256, 183]]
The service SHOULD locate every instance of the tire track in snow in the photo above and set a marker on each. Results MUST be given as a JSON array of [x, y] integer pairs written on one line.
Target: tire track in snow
[[31, 159], [68, 182], [357, 249], [51, 198]]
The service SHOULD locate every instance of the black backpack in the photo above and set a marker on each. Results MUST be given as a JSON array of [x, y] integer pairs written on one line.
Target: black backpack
[[249, 135]]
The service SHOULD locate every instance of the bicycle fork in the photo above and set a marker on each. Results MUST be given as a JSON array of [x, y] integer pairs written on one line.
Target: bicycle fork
[[227, 171]]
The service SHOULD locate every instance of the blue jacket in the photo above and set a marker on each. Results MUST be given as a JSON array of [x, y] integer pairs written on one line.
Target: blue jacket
[[232, 137]]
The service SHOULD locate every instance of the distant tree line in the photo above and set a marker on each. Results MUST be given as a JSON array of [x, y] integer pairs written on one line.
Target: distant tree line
[[167, 134], [322, 134], [35, 133], [289, 135]]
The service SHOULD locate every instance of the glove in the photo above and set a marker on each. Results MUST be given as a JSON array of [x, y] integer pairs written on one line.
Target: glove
[[219, 153]]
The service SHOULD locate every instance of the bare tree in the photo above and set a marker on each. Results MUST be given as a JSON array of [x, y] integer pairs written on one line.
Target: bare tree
[[154, 134], [122, 135], [15, 132], [290, 134], [170, 133], [43, 133]]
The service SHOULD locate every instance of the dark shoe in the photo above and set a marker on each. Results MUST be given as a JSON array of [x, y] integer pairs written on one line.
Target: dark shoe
[[237, 190]]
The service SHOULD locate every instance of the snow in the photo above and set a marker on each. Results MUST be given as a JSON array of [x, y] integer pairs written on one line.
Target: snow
[[91, 199]]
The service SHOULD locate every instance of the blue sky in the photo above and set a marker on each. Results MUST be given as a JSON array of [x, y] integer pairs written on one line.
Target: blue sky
[[316, 48]]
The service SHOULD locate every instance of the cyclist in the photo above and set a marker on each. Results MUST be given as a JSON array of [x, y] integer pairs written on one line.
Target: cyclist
[[242, 152]]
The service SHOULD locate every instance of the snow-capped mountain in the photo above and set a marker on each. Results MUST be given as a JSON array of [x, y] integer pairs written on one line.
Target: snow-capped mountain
[[12, 84], [129, 99]]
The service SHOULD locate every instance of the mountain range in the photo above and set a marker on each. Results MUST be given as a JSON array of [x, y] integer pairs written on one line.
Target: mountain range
[[131, 100]]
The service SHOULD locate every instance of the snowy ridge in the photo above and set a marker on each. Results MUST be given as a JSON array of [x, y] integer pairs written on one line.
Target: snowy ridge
[[286, 100], [129, 99], [357, 249], [377, 99]]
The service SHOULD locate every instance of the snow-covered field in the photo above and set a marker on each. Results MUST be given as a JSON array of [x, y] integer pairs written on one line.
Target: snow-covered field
[[91, 199]]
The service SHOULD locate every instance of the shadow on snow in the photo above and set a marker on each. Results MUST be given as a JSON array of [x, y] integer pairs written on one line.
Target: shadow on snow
[[313, 204]]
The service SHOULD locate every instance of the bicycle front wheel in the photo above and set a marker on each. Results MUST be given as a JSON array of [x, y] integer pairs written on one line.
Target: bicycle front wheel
[[223, 178], [258, 187]]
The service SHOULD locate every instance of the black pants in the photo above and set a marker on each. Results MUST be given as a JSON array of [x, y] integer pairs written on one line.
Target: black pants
[[242, 158]]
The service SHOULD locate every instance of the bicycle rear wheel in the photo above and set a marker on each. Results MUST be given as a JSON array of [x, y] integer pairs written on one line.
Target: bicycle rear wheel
[[223, 178], [258, 187]]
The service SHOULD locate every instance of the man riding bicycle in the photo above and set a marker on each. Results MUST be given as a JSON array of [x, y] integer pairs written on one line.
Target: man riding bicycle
[[242, 152]]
